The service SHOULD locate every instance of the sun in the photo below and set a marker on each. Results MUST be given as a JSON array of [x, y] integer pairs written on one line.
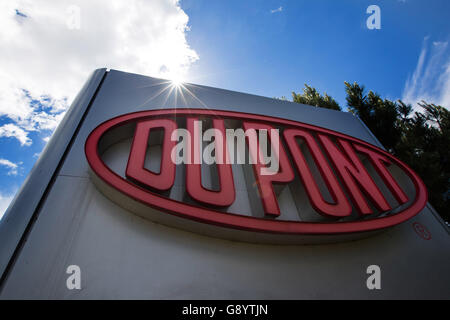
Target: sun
[[176, 80]]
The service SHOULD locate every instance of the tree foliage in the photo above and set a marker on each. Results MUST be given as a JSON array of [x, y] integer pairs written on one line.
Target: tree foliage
[[312, 97], [420, 139], [381, 116]]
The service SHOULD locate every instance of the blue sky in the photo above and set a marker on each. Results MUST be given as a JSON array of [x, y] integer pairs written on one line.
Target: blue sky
[[243, 46], [269, 48]]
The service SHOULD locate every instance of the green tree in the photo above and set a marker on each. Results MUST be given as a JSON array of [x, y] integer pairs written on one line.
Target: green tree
[[312, 97], [422, 139], [381, 116], [423, 147], [404, 111]]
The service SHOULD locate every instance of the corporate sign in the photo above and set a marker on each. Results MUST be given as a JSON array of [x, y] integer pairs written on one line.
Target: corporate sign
[[352, 187]]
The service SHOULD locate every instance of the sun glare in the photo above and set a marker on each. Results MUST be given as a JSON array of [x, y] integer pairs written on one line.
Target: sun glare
[[176, 80]]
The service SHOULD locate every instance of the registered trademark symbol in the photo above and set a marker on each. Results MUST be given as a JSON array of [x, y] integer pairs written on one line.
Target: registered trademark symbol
[[422, 231]]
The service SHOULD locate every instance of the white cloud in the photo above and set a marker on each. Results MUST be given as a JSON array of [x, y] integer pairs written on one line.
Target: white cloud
[[10, 165], [5, 200], [431, 78], [11, 130], [47, 51], [279, 9]]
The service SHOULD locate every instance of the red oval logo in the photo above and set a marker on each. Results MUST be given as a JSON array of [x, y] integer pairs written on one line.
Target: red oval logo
[[351, 186]]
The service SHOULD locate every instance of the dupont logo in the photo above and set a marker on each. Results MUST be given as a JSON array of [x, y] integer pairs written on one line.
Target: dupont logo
[[250, 177]]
